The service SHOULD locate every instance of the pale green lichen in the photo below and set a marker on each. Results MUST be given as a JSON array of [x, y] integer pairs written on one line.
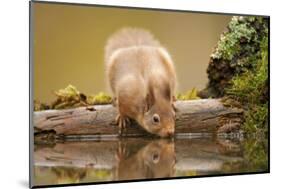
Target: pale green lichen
[[71, 97], [189, 95], [37, 106], [100, 98], [229, 42], [68, 97], [237, 51], [69, 92]]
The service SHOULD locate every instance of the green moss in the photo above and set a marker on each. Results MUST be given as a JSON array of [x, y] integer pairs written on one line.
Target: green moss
[[249, 85], [237, 52], [256, 118], [255, 157], [251, 88], [256, 154], [69, 92], [70, 97], [66, 175], [100, 174], [100, 98], [37, 106], [189, 95], [186, 173]]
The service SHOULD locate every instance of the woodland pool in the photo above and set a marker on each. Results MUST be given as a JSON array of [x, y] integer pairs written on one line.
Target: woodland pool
[[139, 158]]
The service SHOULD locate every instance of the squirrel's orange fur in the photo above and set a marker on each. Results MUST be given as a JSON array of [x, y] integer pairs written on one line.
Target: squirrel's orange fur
[[142, 77]]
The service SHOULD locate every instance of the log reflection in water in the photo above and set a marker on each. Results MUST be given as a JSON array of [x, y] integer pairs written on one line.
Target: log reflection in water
[[133, 158]]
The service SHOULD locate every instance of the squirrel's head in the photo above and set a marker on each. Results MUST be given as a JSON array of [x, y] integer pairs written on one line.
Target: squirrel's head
[[159, 117], [160, 120]]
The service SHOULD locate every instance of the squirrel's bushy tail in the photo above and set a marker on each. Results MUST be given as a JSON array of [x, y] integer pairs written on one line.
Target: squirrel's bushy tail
[[128, 37]]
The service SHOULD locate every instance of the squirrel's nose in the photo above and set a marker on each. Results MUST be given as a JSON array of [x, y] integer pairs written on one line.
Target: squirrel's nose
[[170, 132]]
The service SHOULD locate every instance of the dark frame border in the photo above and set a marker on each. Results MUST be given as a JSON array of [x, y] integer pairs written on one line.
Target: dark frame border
[[31, 136]]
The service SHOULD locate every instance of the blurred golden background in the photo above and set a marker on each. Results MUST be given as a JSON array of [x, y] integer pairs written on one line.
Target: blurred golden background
[[69, 44]]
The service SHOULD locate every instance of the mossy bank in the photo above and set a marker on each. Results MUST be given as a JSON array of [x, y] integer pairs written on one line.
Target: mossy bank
[[238, 69]]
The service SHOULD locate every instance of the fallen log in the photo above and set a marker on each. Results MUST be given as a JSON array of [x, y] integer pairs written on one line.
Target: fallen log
[[193, 116]]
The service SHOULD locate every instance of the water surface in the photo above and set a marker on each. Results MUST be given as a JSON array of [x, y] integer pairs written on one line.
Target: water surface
[[138, 158]]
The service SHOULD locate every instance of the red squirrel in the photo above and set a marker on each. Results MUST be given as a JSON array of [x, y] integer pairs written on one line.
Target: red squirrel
[[156, 159], [142, 77]]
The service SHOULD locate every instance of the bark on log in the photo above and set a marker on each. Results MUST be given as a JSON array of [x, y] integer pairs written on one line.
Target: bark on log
[[194, 116]]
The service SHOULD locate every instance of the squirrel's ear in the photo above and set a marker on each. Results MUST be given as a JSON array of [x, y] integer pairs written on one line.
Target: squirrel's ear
[[174, 107], [150, 98], [167, 92], [149, 101], [173, 103]]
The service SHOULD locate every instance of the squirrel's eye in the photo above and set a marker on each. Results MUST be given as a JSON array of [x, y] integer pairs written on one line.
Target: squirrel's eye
[[156, 118], [155, 158]]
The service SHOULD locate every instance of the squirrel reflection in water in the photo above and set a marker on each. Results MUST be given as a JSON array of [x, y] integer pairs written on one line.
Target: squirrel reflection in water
[[155, 159]]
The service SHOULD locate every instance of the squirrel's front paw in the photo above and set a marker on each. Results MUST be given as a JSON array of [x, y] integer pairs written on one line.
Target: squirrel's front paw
[[122, 151], [122, 122]]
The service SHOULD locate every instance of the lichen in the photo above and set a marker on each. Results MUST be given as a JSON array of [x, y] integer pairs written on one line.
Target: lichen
[[251, 89], [71, 97], [100, 98], [37, 106], [229, 43], [236, 52], [69, 92], [189, 95], [68, 97]]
